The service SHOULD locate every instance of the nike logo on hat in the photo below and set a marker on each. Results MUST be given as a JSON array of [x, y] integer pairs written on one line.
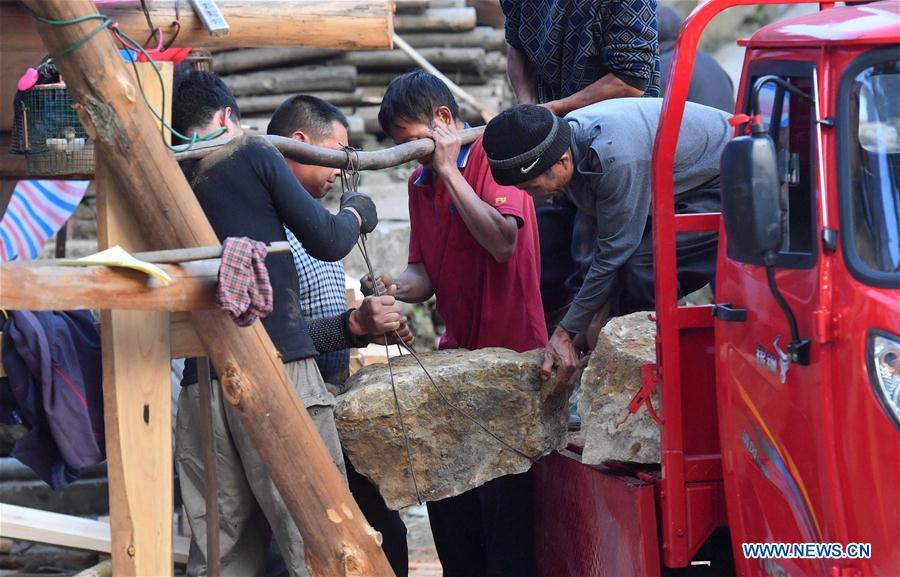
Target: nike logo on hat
[[527, 169]]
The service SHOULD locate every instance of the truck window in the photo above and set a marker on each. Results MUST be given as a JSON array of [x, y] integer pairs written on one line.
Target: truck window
[[790, 122], [870, 146]]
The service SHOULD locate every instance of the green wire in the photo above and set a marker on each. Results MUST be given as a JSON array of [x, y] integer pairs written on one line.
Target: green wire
[[39, 18], [83, 41], [107, 22], [161, 117]]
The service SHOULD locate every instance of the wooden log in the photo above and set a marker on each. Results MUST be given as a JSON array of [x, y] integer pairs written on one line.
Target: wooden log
[[369, 115], [410, 6], [338, 540], [456, 59], [367, 160], [436, 20], [480, 37], [447, 3], [268, 103], [371, 95], [137, 406], [256, 58], [35, 287], [486, 113], [495, 63], [488, 12], [384, 78], [344, 24], [294, 80]]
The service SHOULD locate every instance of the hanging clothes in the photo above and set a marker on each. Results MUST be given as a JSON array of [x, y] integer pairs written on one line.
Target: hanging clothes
[[53, 386]]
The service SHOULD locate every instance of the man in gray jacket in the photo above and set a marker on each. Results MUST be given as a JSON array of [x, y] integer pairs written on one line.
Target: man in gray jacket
[[599, 157]]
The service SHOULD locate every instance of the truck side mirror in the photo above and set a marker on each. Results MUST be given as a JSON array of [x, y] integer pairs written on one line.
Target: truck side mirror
[[751, 198]]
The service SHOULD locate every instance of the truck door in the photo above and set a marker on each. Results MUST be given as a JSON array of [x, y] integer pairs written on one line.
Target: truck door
[[866, 306], [769, 408]]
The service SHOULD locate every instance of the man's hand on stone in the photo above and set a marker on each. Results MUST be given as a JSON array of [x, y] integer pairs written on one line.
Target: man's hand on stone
[[376, 316], [561, 353]]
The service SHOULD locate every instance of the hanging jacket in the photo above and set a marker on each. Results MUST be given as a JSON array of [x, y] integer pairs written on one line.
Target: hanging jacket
[[53, 386]]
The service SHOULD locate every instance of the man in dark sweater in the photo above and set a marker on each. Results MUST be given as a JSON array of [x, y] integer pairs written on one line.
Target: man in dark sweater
[[247, 190]]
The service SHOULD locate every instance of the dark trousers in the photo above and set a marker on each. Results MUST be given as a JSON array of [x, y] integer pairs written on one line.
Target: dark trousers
[[386, 521], [487, 531], [695, 257]]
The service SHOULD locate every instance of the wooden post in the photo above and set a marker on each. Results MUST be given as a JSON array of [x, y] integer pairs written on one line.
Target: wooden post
[[137, 399], [138, 413], [338, 540]]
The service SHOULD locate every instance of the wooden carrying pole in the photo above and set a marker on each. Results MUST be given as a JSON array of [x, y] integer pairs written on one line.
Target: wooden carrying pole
[[320, 156], [337, 538]]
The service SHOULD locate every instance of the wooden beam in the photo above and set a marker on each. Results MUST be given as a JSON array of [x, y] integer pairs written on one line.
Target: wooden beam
[[184, 341], [67, 531], [37, 287], [341, 24], [338, 540]]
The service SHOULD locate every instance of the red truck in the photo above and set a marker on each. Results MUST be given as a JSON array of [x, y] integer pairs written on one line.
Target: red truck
[[780, 440]]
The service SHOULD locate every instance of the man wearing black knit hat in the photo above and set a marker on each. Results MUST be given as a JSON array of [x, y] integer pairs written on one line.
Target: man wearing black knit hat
[[599, 157]]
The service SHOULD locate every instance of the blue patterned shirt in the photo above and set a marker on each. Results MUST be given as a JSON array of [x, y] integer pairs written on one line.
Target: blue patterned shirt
[[573, 43], [322, 295]]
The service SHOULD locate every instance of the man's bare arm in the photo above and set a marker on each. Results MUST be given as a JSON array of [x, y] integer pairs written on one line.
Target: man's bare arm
[[521, 75], [610, 86]]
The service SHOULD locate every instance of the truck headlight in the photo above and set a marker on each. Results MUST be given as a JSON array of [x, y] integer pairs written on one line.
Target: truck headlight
[[883, 361]]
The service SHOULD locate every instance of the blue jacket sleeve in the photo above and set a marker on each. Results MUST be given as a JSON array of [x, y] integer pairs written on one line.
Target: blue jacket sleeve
[[627, 34]]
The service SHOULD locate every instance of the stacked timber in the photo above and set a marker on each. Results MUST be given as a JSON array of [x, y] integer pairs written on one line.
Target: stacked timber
[[445, 32]]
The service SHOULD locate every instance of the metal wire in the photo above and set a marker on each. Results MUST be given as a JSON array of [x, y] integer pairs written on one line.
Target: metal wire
[[350, 177], [350, 183]]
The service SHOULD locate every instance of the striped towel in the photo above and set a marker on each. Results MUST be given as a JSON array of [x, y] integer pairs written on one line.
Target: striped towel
[[37, 210]]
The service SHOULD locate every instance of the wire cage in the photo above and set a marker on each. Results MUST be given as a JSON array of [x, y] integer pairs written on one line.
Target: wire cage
[[200, 60], [52, 138]]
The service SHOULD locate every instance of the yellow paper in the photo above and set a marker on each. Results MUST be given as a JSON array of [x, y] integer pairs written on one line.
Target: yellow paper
[[117, 256]]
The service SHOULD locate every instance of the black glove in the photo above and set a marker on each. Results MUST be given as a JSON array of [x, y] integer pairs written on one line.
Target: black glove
[[364, 207]]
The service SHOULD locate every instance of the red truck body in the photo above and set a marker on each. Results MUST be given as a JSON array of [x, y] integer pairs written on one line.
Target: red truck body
[[773, 450]]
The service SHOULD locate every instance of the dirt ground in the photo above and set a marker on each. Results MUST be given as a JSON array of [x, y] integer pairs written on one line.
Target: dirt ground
[[423, 559]]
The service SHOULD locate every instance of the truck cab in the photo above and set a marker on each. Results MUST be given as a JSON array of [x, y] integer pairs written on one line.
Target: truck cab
[[780, 403], [809, 407]]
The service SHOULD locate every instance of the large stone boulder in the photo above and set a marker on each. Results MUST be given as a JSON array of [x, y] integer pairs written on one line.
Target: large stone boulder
[[610, 381], [451, 454]]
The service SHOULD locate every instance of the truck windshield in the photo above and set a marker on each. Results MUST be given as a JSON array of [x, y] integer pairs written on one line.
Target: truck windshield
[[874, 150]]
